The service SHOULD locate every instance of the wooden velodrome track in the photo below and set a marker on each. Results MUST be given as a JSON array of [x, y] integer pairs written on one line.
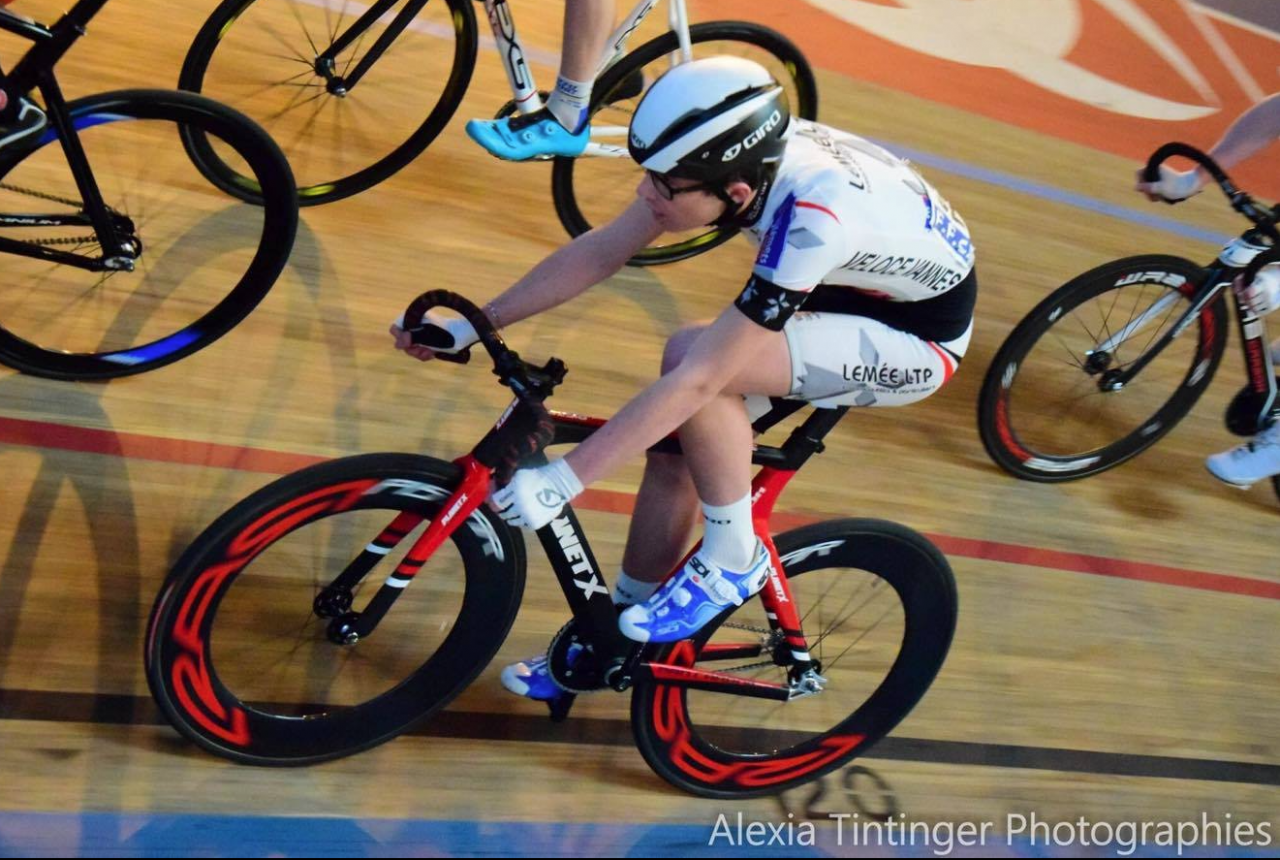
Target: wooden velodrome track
[[1116, 655]]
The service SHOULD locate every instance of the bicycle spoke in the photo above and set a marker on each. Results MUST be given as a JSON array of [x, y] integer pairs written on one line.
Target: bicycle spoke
[[836, 660], [288, 46], [305, 30], [1094, 339], [1175, 308]]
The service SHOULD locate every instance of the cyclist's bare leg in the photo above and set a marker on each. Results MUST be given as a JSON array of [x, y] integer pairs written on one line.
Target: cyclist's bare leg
[[665, 515], [586, 30], [715, 468], [587, 24]]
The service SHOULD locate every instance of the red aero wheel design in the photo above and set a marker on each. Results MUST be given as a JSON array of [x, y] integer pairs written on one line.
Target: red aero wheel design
[[189, 674], [671, 722]]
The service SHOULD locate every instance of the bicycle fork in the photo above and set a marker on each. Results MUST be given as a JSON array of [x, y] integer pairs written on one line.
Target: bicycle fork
[[334, 601]]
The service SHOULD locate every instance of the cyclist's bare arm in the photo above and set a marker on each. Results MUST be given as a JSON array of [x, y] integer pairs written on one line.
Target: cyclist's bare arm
[[578, 266], [566, 273], [1252, 132], [716, 361]]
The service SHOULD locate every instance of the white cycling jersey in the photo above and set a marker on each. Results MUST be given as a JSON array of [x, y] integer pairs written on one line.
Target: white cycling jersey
[[876, 261], [844, 211]]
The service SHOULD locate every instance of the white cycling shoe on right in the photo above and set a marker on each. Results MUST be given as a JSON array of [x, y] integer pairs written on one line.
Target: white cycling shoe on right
[[1245, 465]]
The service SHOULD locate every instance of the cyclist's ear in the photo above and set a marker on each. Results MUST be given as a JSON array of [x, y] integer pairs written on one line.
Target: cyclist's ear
[[738, 191]]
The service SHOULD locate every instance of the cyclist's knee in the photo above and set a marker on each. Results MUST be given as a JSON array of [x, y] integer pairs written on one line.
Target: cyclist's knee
[[678, 346]]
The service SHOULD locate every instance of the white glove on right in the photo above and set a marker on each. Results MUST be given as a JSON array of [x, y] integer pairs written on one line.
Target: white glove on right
[[1263, 295], [1174, 185], [452, 335]]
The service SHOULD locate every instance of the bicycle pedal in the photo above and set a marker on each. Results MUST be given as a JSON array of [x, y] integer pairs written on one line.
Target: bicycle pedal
[[560, 707]]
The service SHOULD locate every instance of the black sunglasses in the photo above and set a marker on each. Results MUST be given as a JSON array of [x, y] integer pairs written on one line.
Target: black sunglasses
[[668, 191]]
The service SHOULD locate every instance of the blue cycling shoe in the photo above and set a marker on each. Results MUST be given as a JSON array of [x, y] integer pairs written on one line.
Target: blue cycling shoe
[[532, 679], [528, 136], [691, 598]]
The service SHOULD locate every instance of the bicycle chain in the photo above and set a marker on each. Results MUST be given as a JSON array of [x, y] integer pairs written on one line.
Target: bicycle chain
[[52, 198], [749, 666]]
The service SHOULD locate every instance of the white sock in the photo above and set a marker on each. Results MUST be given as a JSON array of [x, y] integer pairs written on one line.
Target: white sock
[[628, 591], [569, 103], [729, 540]]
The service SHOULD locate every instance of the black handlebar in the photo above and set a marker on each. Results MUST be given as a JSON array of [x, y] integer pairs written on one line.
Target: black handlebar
[[1151, 173], [1240, 201], [423, 334], [530, 383]]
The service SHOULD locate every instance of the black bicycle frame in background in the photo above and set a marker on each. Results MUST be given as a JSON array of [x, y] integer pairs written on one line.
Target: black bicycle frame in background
[[326, 62], [35, 70], [1219, 276]]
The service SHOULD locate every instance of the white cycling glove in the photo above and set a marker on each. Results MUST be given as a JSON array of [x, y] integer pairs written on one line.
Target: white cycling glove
[[535, 497], [1263, 295], [451, 334], [1175, 185]]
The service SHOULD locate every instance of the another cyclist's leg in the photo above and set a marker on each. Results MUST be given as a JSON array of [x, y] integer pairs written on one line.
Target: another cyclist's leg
[[560, 128], [586, 29], [1255, 460], [732, 564], [21, 120]]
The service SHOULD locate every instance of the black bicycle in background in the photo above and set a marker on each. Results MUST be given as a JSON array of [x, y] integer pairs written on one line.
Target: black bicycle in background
[[337, 607], [1109, 363], [120, 256], [354, 91]]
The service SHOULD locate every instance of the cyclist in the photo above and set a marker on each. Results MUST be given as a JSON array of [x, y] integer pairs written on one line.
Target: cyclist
[[560, 128], [862, 294], [1252, 131]]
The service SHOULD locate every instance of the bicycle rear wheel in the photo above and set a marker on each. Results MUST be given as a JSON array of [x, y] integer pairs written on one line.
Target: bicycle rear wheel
[[246, 654], [878, 604], [1045, 412], [591, 190], [202, 261], [261, 57]]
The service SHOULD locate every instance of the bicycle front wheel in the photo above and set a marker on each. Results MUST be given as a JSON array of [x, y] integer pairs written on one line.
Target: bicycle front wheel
[[292, 65], [1047, 411], [878, 606], [197, 262], [592, 189], [248, 653]]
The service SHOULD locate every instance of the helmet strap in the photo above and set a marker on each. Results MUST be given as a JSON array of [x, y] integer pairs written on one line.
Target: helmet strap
[[732, 217]]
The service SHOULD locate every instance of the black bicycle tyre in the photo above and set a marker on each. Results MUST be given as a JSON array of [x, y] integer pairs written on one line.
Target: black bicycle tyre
[[217, 171], [994, 425], [280, 224], [183, 675], [923, 580]]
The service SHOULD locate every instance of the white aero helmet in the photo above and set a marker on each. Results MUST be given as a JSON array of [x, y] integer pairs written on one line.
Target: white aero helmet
[[710, 119]]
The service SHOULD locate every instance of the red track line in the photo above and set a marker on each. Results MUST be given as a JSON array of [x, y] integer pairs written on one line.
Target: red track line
[[134, 446]]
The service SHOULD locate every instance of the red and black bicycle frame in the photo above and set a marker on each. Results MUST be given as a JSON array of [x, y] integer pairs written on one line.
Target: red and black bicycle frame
[[569, 552]]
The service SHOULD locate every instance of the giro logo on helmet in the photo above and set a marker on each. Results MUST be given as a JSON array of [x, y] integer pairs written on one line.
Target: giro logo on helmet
[[755, 137]]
